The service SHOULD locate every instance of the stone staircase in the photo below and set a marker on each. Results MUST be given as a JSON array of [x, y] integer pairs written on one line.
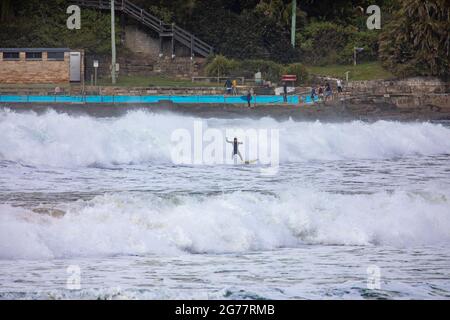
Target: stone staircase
[[163, 29]]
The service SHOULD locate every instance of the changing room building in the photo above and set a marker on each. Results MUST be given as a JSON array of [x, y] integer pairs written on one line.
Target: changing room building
[[41, 65]]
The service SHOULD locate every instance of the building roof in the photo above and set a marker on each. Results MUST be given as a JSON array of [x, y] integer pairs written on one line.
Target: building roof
[[35, 49]]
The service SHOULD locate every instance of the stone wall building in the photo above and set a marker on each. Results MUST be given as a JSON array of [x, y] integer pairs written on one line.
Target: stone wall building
[[41, 65]]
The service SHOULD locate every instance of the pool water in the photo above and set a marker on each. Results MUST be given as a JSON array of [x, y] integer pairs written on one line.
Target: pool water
[[153, 99]]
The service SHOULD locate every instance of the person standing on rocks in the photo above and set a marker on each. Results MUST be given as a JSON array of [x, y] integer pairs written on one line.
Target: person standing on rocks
[[234, 85], [285, 92], [228, 86], [339, 86], [320, 93], [313, 93], [328, 91], [249, 98]]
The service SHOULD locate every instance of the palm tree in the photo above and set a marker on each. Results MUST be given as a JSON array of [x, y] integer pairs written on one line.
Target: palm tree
[[417, 41]]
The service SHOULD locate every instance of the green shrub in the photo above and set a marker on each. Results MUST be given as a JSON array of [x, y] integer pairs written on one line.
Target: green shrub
[[325, 43], [321, 42], [220, 66], [269, 70], [299, 70], [367, 40]]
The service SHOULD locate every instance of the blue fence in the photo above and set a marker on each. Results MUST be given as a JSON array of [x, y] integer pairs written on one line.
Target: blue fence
[[154, 99]]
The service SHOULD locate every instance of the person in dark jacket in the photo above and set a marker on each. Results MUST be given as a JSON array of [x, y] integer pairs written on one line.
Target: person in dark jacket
[[285, 92], [313, 93], [328, 91], [228, 86], [236, 144], [249, 98], [320, 93]]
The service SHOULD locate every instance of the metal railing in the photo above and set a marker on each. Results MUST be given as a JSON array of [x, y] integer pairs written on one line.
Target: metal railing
[[218, 80], [163, 29]]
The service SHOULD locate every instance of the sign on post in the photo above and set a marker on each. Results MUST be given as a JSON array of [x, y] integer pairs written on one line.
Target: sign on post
[[356, 50], [95, 71], [289, 77]]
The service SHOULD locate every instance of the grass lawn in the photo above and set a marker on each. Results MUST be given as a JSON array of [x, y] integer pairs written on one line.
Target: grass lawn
[[141, 81], [363, 71]]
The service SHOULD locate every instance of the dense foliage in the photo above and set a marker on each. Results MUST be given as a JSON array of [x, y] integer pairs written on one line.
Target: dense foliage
[[417, 40], [325, 43], [43, 24], [414, 39]]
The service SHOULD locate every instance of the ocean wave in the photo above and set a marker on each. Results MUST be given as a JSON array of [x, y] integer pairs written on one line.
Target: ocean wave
[[137, 224], [138, 137]]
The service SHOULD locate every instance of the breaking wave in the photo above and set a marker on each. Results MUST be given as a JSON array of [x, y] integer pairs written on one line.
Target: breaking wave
[[138, 137], [135, 224]]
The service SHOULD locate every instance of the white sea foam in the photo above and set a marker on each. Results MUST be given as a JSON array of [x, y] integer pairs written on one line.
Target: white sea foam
[[237, 222], [139, 137]]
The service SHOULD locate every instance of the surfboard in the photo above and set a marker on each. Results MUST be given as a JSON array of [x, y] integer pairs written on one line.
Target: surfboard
[[250, 161]]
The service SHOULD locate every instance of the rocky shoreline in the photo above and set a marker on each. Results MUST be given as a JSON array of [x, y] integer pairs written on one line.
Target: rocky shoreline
[[414, 99]]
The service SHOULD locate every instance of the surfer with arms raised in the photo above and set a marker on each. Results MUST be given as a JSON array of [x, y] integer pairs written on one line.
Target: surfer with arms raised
[[236, 144]]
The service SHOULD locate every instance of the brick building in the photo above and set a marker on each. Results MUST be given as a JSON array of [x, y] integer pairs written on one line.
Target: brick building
[[41, 65]]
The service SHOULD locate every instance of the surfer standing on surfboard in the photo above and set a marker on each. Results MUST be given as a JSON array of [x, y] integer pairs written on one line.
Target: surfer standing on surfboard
[[236, 144]]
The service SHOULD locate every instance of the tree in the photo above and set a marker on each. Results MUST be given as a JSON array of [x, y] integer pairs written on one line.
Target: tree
[[248, 35], [417, 40], [43, 24], [6, 12]]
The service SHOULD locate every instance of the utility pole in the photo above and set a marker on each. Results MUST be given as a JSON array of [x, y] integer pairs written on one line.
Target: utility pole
[[294, 22], [113, 44]]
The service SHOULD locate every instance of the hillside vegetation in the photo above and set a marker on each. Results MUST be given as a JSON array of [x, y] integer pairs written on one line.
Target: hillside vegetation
[[414, 39]]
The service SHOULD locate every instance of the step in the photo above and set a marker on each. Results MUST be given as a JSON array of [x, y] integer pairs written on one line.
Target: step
[[181, 35]]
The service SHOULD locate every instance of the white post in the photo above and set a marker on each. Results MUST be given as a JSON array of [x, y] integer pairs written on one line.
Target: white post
[[294, 22], [113, 44]]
